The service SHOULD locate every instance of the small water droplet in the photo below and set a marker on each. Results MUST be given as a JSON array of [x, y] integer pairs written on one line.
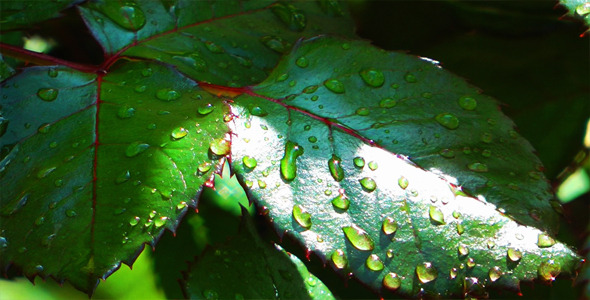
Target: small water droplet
[[45, 172], [39, 221], [467, 103], [334, 85], [339, 259], [205, 108], [249, 162], [310, 90], [302, 62], [368, 184], [436, 215], [363, 111], [549, 269], [372, 77], [387, 103], [389, 226], [140, 88], [453, 273], [392, 281], [359, 162], [495, 273], [220, 147], [478, 167], [470, 262], [178, 133], [373, 165], [359, 238], [39, 268], [312, 139], [204, 167], [426, 272], [514, 254], [71, 213], [289, 15], [52, 73], [275, 43], [125, 112], [47, 94], [403, 182], [486, 137], [135, 149], [463, 250], [410, 78], [447, 120], [545, 241], [491, 244], [335, 166], [288, 162], [374, 263], [460, 228], [210, 294], [302, 217], [447, 153], [167, 94], [123, 177]]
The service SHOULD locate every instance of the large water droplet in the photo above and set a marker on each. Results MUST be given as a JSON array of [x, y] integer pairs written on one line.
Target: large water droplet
[[290, 16], [436, 215], [125, 112], [335, 166], [544, 241], [374, 263], [373, 165], [178, 133], [478, 167], [204, 167], [467, 103], [128, 16], [391, 281], [495, 273], [205, 109], [372, 77], [368, 184], [339, 259], [389, 225], [220, 147], [463, 250], [136, 148], [341, 202], [249, 162], [426, 272], [549, 269], [334, 85], [289, 160], [514, 254], [359, 238], [447, 120], [359, 162], [167, 94], [453, 273], [302, 62], [47, 94], [302, 217], [134, 221]]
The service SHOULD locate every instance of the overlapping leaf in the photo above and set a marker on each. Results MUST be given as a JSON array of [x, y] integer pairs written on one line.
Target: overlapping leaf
[[339, 181]]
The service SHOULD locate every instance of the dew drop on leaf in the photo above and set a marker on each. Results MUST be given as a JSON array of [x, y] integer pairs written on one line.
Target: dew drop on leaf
[[128, 16], [312, 139], [339, 259], [470, 262], [359, 238], [289, 15], [548, 270], [288, 162], [372, 77], [178, 133], [335, 166], [301, 216], [125, 112], [478, 167], [460, 228], [389, 225], [167, 94], [249, 162], [214, 48], [436, 215], [463, 250], [453, 273], [374, 263], [341, 202], [204, 167], [71, 213], [258, 111], [274, 43], [495, 273], [261, 184], [426, 272], [123, 177], [409, 77], [205, 109], [334, 85], [135, 149], [447, 120], [403, 182], [447, 153], [373, 165], [47, 94], [220, 147], [359, 162], [363, 111], [45, 172], [545, 241], [368, 184], [387, 103], [302, 62], [391, 281], [513, 254], [467, 103]]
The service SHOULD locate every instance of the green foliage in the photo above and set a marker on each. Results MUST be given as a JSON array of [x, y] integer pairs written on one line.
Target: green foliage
[[383, 164]]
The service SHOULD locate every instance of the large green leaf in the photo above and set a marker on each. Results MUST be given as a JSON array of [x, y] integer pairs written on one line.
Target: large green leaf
[[255, 269], [340, 175]]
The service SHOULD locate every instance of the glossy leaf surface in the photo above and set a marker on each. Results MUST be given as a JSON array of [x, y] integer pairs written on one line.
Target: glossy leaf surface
[[349, 192]]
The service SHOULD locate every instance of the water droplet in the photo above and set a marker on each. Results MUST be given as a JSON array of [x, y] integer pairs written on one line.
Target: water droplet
[[159, 222], [47, 94], [302, 217], [359, 162], [167, 94], [123, 177], [486, 153], [453, 273], [391, 281], [71, 213], [374, 263], [447, 120], [549, 269], [204, 167], [45, 172], [134, 221], [544, 241], [387, 103], [140, 88], [359, 238], [373, 165], [341, 201], [463, 250], [372, 77], [478, 167], [275, 43], [288, 162], [128, 16], [125, 112], [178, 133], [467, 103], [3, 242], [426, 272], [210, 294], [363, 111], [486, 137], [495, 273], [135, 149], [490, 244], [409, 77], [389, 226], [214, 48], [334, 85], [290, 16], [460, 228], [514, 255], [436, 215], [39, 268], [447, 153], [312, 139], [220, 147], [339, 259], [302, 62], [249, 162], [470, 262], [368, 184], [335, 166], [403, 182], [583, 9], [205, 109], [52, 73], [456, 214], [39, 221]]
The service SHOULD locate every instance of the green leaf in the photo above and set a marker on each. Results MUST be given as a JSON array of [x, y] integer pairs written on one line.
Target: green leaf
[[373, 159], [253, 269], [579, 9], [22, 14]]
